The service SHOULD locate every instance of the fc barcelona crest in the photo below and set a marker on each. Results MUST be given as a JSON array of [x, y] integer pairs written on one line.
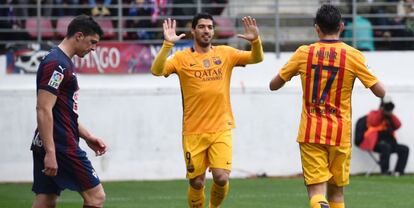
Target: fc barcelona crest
[[216, 60], [206, 63]]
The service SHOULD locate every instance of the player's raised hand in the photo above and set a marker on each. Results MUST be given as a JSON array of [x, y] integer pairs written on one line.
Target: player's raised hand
[[170, 31], [97, 145], [251, 31]]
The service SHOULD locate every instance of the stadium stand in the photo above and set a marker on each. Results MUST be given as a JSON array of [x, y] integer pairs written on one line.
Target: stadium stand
[[44, 23]]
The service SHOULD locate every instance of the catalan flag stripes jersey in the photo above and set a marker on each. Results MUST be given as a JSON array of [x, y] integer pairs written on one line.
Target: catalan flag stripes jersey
[[205, 84], [327, 70], [56, 75]]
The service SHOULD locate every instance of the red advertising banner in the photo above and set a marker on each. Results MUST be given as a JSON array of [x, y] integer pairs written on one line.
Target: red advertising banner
[[108, 58]]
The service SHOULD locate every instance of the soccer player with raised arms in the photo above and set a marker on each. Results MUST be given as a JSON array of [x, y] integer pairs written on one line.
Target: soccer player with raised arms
[[58, 161], [327, 69], [204, 72]]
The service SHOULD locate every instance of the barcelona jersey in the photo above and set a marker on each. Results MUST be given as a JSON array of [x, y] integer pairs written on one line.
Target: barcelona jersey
[[205, 86], [56, 75], [327, 70]]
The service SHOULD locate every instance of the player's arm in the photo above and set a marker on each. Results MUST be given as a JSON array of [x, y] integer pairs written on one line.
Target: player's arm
[[251, 33], [276, 83], [367, 78], [44, 105], [289, 70], [158, 67], [95, 143], [378, 89]]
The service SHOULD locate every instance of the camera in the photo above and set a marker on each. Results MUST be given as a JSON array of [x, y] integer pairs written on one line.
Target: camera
[[388, 106]]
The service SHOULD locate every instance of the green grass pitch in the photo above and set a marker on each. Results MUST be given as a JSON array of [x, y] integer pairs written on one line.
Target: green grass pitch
[[363, 192]]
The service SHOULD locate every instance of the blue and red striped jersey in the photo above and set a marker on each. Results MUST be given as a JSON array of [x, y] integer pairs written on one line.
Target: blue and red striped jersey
[[56, 74]]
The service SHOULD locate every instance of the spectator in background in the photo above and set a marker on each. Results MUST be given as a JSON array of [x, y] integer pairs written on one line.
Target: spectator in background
[[380, 137], [364, 34], [62, 11], [143, 9], [100, 9], [214, 7], [183, 9], [405, 11], [46, 11], [399, 25], [11, 22]]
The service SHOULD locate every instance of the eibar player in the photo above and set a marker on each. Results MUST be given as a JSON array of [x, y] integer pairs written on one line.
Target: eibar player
[[327, 69], [204, 72], [58, 161]]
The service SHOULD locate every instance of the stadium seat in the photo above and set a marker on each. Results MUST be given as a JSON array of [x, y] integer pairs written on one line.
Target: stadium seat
[[226, 27], [107, 27], [62, 25], [46, 27]]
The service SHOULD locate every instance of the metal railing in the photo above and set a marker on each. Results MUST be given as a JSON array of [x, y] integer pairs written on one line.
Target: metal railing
[[284, 25]]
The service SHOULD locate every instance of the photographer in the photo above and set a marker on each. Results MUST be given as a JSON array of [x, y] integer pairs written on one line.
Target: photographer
[[380, 137]]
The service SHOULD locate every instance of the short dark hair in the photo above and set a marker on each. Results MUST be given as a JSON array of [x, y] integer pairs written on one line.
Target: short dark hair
[[84, 24], [328, 18], [201, 16]]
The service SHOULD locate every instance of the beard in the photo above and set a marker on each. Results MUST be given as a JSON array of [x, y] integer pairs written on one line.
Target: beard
[[201, 42]]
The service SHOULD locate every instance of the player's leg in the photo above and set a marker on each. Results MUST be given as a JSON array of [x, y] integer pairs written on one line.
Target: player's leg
[[220, 157], [220, 186], [94, 197], [336, 196], [194, 147], [315, 165], [46, 190], [316, 194], [77, 174], [339, 166], [45, 201], [195, 193]]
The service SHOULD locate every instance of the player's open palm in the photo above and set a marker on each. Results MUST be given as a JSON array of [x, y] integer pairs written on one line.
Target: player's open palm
[[97, 145], [170, 31], [251, 31]]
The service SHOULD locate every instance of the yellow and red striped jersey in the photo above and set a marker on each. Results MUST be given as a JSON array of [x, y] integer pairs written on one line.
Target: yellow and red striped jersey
[[327, 70]]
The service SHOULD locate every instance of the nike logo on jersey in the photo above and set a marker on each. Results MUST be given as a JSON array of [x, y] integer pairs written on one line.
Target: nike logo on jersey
[[191, 65]]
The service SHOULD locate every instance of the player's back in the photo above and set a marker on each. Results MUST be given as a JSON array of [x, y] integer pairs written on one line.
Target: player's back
[[328, 70]]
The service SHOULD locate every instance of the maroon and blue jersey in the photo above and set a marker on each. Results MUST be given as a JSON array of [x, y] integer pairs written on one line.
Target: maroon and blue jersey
[[56, 75], [75, 172]]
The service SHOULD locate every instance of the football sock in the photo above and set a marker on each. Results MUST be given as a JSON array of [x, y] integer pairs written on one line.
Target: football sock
[[217, 194], [319, 201], [195, 197], [336, 205]]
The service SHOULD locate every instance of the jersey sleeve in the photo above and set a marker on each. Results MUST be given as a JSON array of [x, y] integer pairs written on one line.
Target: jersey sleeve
[[162, 64], [242, 58], [50, 77], [363, 73], [171, 65], [291, 68]]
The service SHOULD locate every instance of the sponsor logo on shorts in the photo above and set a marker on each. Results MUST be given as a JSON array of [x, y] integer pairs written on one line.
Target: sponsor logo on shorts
[[56, 79], [190, 168], [37, 141], [94, 173]]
